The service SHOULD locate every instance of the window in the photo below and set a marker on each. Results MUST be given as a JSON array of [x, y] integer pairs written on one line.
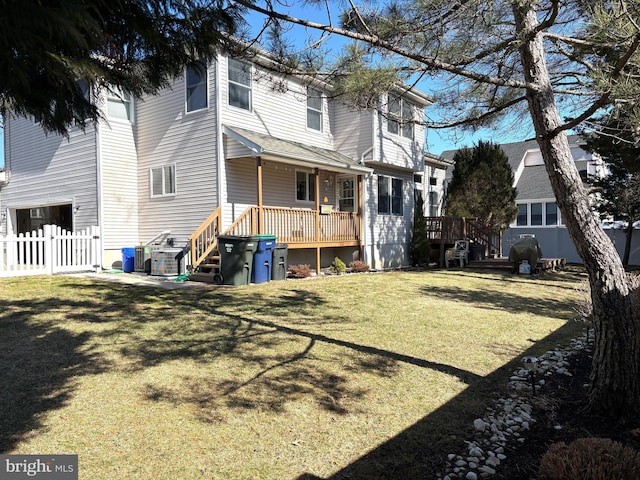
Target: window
[[400, 121], [433, 204], [522, 220], [119, 105], [239, 84], [163, 181], [536, 214], [390, 196], [305, 186], [314, 109], [433, 181], [551, 213], [394, 110], [196, 87]]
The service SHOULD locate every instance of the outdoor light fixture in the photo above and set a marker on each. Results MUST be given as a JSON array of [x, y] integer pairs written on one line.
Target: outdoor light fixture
[[531, 365]]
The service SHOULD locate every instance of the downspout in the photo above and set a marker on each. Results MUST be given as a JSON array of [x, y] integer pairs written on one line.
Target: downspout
[[219, 143], [99, 192]]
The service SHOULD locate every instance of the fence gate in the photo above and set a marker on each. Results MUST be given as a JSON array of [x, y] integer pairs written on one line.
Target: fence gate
[[50, 250]]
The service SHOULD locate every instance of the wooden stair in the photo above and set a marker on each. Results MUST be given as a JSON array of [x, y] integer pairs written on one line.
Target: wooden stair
[[208, 270]]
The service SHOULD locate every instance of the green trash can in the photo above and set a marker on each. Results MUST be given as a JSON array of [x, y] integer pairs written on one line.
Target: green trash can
[[236, 258], [280, 263]]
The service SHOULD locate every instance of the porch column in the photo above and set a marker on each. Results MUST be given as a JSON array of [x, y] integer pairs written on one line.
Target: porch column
[[360, 210], [260, 221], [316, 172]]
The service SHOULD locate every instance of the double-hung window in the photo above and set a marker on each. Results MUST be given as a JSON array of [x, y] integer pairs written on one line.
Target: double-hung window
[[523, 215], [390, 199], [305, 186], [239, 84], [314, 109], [196, 87], [400, 117], [163, 181], [120, 105]]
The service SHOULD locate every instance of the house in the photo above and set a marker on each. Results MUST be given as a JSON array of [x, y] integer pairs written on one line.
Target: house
[[538, 213], [229, 147]]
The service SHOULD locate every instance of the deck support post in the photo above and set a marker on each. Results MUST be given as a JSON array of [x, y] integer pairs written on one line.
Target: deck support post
[[260, 221]]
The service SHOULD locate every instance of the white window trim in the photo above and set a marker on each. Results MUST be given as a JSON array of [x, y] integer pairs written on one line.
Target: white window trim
[[129, 103], [560, 222], [175, 181], [321, 111], [309, 177], [186, 90], [241, 85], [400, 118], [390, 179]]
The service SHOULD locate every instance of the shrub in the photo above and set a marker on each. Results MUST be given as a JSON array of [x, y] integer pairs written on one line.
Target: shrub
[[589, 459], [338, 266], [300, 271], [359, 266]]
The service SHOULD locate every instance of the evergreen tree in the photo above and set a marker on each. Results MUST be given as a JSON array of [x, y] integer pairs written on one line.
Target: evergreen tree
[[617, 140], [53, 54], [419, 247], [482, 186]]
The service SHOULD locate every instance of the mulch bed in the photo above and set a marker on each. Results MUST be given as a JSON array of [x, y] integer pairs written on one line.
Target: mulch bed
[[559, 410]]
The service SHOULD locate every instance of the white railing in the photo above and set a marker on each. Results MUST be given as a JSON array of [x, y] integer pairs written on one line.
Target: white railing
[[50, 250]]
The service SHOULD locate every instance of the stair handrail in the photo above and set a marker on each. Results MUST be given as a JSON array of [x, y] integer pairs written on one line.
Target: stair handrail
[[481, 232], [204, 239]]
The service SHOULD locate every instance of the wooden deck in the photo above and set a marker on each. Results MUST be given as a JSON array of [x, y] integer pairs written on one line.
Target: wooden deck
[[504, 264]]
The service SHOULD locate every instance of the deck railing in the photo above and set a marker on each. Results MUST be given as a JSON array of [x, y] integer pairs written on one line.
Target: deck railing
[[297, 226], [449, 229]]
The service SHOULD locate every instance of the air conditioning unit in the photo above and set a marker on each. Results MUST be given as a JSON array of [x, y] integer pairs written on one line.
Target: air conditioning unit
[[142, 262], [167, 262]]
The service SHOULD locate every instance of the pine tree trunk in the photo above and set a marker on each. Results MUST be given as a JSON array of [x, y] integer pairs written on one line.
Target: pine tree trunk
[[614, 387]]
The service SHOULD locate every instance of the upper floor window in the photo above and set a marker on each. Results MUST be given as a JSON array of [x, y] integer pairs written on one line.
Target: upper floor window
[[163, 181], [400, 121], [119, 104], [239, 84], [196, 87], [314, 109], [305, 186], [390, 196]]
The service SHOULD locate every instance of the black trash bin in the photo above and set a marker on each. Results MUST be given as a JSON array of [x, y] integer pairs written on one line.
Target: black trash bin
[[280, 264], [477, 251], [236, 258]]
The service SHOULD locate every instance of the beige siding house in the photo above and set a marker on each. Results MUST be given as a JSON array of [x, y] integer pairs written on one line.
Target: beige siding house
[[229, 148]]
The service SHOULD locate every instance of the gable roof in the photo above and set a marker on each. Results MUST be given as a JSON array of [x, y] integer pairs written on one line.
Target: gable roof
[[268, 147], [532, 182]]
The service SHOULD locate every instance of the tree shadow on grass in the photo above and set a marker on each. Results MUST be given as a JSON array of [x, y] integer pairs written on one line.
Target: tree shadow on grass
[[39, 362], [421, 450]]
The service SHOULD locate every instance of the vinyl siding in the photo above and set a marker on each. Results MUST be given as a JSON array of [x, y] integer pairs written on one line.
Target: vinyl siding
[[279, 109], [387, 236], [119, 185], [168, 135], [398, 151], [49, 169], [353, 134]]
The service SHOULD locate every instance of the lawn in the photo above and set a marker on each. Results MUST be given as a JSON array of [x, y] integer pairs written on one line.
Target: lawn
[[359, 376]]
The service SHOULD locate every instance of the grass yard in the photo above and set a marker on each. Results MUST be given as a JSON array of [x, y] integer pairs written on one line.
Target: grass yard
[[360, 376]]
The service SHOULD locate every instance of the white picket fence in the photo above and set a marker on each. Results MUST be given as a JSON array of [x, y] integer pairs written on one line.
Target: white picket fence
[[50, 250]]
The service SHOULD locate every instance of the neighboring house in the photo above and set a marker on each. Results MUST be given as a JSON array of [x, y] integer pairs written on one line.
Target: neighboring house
[[234, 146], [538, 212]]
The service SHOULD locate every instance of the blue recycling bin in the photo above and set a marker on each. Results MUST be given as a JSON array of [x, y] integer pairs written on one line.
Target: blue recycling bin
[[128, 259], [262, 259]]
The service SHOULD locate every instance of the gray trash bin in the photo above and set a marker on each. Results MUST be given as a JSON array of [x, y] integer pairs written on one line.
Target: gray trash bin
[[280, 264]]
